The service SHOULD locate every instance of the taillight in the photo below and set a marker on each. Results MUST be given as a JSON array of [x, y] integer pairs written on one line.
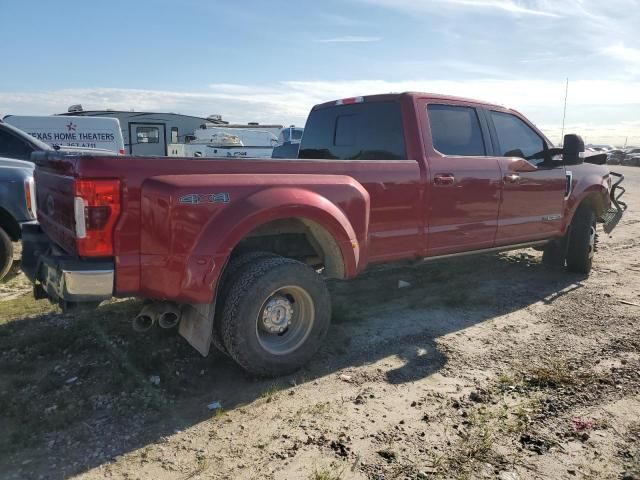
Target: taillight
[[30, 196], [121, 151], [96, 208]]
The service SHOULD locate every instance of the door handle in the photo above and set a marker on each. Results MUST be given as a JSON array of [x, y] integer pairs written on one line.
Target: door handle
[[444, 179], [511, 178]]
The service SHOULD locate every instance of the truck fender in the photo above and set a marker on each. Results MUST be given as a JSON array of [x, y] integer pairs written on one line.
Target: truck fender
[[223, 233], [596, 194]]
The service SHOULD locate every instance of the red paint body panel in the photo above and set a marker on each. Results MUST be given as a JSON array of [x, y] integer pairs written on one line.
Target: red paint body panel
[[527, 201], [376, 210], [196, 239]]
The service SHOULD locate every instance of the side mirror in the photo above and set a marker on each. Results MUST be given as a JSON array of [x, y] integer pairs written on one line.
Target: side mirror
[[572, 149], [514, 153]]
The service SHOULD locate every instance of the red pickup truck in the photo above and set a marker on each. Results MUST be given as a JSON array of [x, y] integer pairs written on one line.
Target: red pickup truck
[[237, 251]]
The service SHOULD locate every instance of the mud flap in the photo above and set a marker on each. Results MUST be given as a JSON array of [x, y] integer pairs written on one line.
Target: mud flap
[[196, 326]]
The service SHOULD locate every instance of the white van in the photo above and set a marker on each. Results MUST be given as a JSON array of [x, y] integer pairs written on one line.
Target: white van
[[84, 132]]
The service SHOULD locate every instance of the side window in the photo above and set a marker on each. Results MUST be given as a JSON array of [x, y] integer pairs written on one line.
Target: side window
[[456, 130], [514, 134], [174, 134], [361, 131], [13, 147], [148, 134]]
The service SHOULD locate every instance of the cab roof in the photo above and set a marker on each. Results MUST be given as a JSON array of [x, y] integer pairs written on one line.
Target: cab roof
[[398, 96]]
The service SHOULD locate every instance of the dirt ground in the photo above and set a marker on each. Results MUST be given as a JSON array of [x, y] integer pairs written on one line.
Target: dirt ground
[[483, 367]]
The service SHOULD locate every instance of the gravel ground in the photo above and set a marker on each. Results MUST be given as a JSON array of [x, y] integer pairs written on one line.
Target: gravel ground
[[485, 367]]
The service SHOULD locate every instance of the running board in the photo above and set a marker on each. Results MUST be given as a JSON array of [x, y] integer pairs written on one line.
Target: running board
[[503, 248]]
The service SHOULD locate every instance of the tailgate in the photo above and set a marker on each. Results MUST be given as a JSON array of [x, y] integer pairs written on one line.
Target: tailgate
[[54, 176]]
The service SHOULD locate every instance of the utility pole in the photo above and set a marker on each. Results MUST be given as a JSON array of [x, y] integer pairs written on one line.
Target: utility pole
[[564, 112]]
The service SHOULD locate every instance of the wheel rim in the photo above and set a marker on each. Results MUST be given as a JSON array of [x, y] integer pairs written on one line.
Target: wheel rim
[[285, 320], [592, 241]]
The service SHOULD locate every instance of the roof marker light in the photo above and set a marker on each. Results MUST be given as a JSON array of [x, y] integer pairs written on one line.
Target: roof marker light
[[349, 101]]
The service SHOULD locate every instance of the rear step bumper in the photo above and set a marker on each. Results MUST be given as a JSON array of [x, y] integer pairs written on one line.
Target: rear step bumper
[[63, 278]]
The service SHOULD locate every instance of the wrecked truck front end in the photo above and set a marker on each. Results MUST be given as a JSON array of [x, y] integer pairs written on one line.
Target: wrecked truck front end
[[616, 209]]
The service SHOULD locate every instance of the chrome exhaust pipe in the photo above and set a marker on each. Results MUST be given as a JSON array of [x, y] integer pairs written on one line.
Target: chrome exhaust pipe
[[169, 315], [146, 319]]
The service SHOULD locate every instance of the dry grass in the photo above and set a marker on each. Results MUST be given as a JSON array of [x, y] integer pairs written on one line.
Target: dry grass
[[553, 374], [327, 474], [59, 370]]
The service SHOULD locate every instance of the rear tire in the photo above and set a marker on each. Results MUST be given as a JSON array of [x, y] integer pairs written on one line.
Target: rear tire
[[236, 265], [275, 317], [582, 241], [6, 253]]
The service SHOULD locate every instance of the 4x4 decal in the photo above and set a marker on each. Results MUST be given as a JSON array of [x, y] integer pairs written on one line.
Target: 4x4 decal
[[196, 198]]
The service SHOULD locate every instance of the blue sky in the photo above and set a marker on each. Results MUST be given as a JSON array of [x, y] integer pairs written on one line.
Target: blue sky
[[271, 61]]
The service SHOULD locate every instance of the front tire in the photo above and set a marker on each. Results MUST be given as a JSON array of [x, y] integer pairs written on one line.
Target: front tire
[[582, 241], [6, 253], [276, 314]]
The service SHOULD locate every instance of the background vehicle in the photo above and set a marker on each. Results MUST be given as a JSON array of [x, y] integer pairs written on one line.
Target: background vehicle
[[232, 249], [16, 144], [19, 145], [162, 133], [145, 133], [290, 134], [17, 197], [288, 142], [221, 142], [629, 156], [85, 132]]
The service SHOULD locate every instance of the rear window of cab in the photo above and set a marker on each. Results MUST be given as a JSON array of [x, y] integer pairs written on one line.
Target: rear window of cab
[[360, 131]]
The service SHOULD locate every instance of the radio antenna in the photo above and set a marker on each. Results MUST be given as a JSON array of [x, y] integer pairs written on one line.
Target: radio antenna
[[564, 112]]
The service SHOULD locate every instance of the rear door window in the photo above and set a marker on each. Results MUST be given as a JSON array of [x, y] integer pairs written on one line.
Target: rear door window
[[361, 131], [514, 136], [456, 130]]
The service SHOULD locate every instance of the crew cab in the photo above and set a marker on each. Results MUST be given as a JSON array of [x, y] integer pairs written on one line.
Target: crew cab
[[237, 251]]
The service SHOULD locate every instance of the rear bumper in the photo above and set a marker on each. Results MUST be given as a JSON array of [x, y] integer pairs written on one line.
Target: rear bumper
[[63, 278]]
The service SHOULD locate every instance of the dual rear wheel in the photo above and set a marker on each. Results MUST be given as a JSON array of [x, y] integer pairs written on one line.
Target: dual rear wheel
[[273, 313]]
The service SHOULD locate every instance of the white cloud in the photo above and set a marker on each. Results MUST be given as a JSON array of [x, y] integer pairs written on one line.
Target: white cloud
[[340, 20], [350, 39], [290, 101], [621, 52], [515, 7]]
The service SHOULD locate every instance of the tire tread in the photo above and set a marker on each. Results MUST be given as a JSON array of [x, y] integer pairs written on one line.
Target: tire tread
[[578, 260], [6, 253], [239, 294]]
